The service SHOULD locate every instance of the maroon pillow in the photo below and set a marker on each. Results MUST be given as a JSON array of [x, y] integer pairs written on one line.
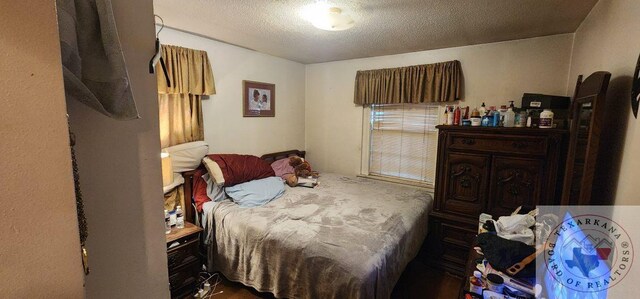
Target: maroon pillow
[[238, 169], [199, 188]]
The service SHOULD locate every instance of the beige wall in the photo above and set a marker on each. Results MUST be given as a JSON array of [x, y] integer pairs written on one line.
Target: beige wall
[[608, 40], [39, 248], [493, 73], [121, 177], [225, 129]]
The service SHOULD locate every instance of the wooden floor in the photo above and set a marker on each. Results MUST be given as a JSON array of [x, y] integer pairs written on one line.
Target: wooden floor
[[417, 281]]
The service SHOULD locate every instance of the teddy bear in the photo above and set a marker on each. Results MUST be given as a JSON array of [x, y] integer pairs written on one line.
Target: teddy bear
[[301, 169]]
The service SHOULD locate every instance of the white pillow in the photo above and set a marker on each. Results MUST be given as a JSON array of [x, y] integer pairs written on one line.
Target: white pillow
[[178, 180], [214, 170], [187, 156]]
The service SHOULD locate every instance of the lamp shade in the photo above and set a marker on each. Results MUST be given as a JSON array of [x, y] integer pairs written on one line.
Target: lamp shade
[[167, 169]]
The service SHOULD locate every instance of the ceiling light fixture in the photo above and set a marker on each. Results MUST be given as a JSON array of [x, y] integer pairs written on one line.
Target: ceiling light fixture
[[327, 17]]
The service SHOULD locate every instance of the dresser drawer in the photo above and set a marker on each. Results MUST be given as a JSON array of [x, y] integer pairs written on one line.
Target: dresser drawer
[[457, 235], [187, 275], [455, 255], [530, 145], [450, 242], [181, 255]]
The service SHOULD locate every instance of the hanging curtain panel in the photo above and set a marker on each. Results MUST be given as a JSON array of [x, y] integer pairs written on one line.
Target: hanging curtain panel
[[180, 118], [427, 83], [180, 105]]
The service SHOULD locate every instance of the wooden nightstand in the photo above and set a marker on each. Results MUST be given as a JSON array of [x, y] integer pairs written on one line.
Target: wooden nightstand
[[184, 261]]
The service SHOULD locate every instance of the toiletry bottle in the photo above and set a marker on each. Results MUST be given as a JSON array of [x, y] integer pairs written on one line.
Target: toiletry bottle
[[466, 115], [476, 120], [450, 116], [489, 116], [485, 121], [546, 119], [482, 110], [503, 111], [167, 222], [521, 120], [509, 118], [475, 283], [179, 217], [443, 120], [496, 119], [456, 116]]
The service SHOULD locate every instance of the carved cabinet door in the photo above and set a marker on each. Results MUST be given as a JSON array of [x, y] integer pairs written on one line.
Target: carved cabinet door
[[466, 177], [514, 182]]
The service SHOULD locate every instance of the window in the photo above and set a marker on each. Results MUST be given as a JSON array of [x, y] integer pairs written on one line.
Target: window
[[403, 141]]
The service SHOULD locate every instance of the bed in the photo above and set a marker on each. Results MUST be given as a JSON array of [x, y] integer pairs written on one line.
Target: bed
[[349, 237]]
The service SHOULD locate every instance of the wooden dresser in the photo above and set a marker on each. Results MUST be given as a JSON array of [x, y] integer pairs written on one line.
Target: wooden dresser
[[490, 170], [183, 260]]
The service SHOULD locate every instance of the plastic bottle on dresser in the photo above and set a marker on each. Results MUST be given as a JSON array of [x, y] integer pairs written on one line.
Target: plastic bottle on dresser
[[443, 120], [482, 110], [167, 222], [546, 119], [456, 116], [521, 120], [503, 111], [450, 116], [476, 120], [179, 217], [496, 119], [509, 118], [475, 283], [485, 121]]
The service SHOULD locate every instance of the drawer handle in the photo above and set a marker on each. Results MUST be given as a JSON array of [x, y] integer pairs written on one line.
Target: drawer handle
[[518, 144], [468, 141]]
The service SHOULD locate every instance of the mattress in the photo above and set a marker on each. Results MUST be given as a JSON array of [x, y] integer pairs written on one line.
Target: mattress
[[349, 237]]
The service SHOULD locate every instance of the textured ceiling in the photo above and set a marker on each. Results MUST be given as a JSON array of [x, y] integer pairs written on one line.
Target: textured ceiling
[[382, 27]]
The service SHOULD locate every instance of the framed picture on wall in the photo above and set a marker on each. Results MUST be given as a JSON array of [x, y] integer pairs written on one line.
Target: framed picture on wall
[[259, 99]]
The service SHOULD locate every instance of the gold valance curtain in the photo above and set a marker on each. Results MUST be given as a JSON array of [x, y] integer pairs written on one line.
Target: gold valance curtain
[[427, 83], [180, 105], [189, 72]]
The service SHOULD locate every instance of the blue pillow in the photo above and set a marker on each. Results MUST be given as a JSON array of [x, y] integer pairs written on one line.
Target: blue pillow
[[257, 192], [214, 191]]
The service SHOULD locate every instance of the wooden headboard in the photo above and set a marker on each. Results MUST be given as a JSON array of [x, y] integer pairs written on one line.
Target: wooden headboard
[[270, 158], [190, 211]]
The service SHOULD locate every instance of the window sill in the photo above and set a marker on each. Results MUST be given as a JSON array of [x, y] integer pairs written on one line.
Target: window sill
[[427, 186]]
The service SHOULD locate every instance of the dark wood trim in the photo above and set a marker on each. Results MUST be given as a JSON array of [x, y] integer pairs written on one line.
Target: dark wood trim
[[593, 91], [503, 130], [189, 210], [272, 157], [178, 233]]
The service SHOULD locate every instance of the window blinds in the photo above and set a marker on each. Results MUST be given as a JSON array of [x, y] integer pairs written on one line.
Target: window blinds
[[403, 141]]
